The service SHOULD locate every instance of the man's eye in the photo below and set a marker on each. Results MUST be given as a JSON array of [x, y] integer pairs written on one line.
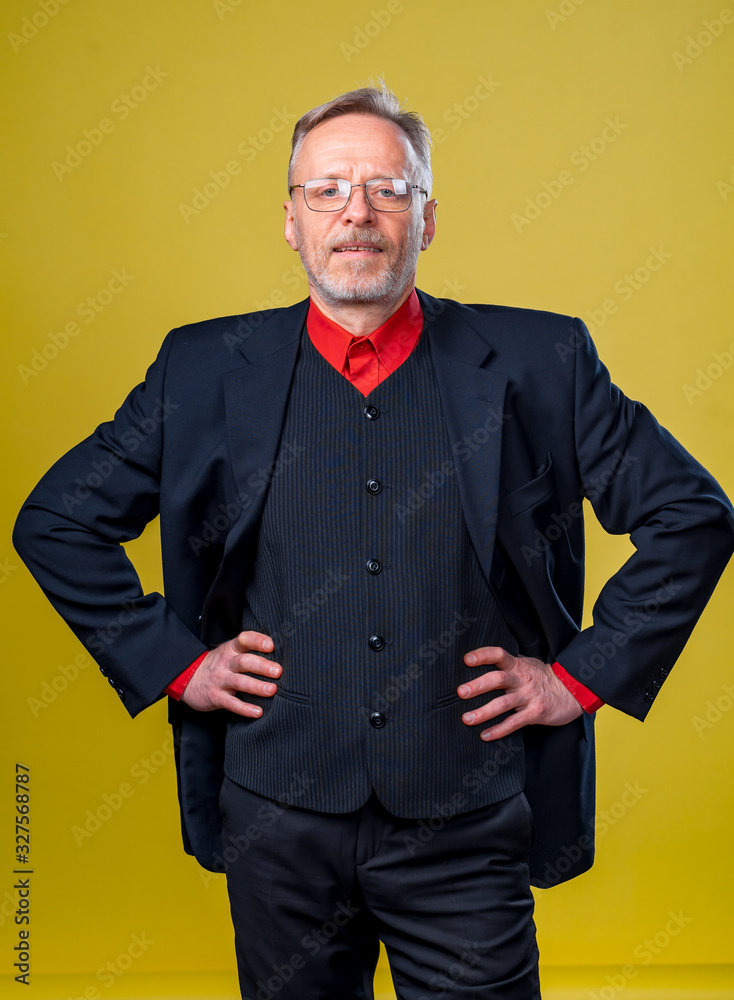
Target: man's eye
[[330, 192], [386, 193]]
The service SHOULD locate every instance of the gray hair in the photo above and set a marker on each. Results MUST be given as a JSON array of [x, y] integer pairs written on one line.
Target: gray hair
[[382, 103]]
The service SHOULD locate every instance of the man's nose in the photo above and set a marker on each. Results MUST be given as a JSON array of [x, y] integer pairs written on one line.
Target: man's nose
[[358, 210]]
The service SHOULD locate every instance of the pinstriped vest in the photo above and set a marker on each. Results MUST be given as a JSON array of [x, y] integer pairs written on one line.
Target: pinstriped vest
[[366, 579]]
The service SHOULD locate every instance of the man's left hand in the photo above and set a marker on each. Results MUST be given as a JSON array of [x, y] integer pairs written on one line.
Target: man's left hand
[[532, 692]]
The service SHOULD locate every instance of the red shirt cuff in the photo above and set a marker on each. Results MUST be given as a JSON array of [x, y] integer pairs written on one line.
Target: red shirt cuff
[[177, 687], [586, 699]]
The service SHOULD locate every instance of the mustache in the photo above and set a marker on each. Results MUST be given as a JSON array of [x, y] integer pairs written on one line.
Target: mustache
[[360, 236]]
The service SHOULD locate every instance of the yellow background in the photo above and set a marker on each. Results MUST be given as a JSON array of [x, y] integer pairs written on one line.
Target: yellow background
[[233, 73]]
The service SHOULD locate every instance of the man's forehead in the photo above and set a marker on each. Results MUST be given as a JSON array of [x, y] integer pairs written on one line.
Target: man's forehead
[[355, 140]]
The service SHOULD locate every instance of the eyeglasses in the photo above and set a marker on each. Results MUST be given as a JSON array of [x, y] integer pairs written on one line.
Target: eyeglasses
[[332, 194]]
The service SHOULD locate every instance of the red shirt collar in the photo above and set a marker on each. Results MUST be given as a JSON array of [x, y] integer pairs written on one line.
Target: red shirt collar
[[393, 341]]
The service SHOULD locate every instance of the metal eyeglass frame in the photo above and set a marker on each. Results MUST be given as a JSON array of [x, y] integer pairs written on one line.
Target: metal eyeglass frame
[[343, 180]]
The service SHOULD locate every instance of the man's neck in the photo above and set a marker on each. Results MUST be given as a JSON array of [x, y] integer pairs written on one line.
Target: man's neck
[[359, 318]]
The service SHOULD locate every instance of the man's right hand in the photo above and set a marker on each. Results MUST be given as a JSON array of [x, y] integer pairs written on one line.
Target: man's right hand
[[226, 669]]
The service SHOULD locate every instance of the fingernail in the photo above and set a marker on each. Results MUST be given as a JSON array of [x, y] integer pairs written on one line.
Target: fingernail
[[470, 658], [487, 734], [469, 717], [258, 711], [274, 671], [271, 688], [464, 690]]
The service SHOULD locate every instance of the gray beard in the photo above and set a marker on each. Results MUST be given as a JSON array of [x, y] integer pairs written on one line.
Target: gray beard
[[362, 284]]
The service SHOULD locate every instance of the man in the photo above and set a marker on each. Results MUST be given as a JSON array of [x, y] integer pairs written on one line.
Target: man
[[373, 553]]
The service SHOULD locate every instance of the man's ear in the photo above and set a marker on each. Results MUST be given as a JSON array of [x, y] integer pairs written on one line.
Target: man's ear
[[290, 225], [429, 223]]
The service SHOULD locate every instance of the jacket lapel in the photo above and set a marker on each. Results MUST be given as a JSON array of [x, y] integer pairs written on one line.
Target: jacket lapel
[[472, 396], [255, 399]]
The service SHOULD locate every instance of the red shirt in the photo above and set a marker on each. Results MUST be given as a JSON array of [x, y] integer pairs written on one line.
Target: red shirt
[[366, 361]]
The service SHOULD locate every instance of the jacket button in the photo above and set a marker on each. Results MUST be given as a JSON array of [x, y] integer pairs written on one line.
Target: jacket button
[[377, 720], [374, 566], [376, 642], [374, 486], [371, 412]]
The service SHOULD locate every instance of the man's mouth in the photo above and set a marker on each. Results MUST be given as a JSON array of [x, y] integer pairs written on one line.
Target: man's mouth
[[357, 248]]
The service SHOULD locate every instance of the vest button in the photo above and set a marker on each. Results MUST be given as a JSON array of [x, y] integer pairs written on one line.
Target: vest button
[[376, 642], [377, 720], [374, 485], [371, 412], [374, 566]]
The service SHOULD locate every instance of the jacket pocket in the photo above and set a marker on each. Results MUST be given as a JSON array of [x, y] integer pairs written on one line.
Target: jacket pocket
[[532, 493], [292, 695]]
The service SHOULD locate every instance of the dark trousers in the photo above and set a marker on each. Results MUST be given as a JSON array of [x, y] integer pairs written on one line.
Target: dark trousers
[[312, 894]]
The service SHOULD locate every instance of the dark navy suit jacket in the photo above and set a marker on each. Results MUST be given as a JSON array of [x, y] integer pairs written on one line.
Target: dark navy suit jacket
[[536, 426]]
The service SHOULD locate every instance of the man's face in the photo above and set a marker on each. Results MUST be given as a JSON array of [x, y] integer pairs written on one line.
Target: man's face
[[358, 148]]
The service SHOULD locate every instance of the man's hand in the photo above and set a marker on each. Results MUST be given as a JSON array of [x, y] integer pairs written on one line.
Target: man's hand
[[531, 689], [222, 672]]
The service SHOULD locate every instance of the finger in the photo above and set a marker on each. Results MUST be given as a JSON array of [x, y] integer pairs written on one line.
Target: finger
[[490, 681], [509, 725], [244, 708], [254, 664], [246, 641], [250, 685], [505, 703], [489, 654]]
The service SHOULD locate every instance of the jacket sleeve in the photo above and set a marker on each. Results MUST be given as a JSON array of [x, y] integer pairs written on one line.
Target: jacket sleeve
[[69, 533], [640, 481]]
